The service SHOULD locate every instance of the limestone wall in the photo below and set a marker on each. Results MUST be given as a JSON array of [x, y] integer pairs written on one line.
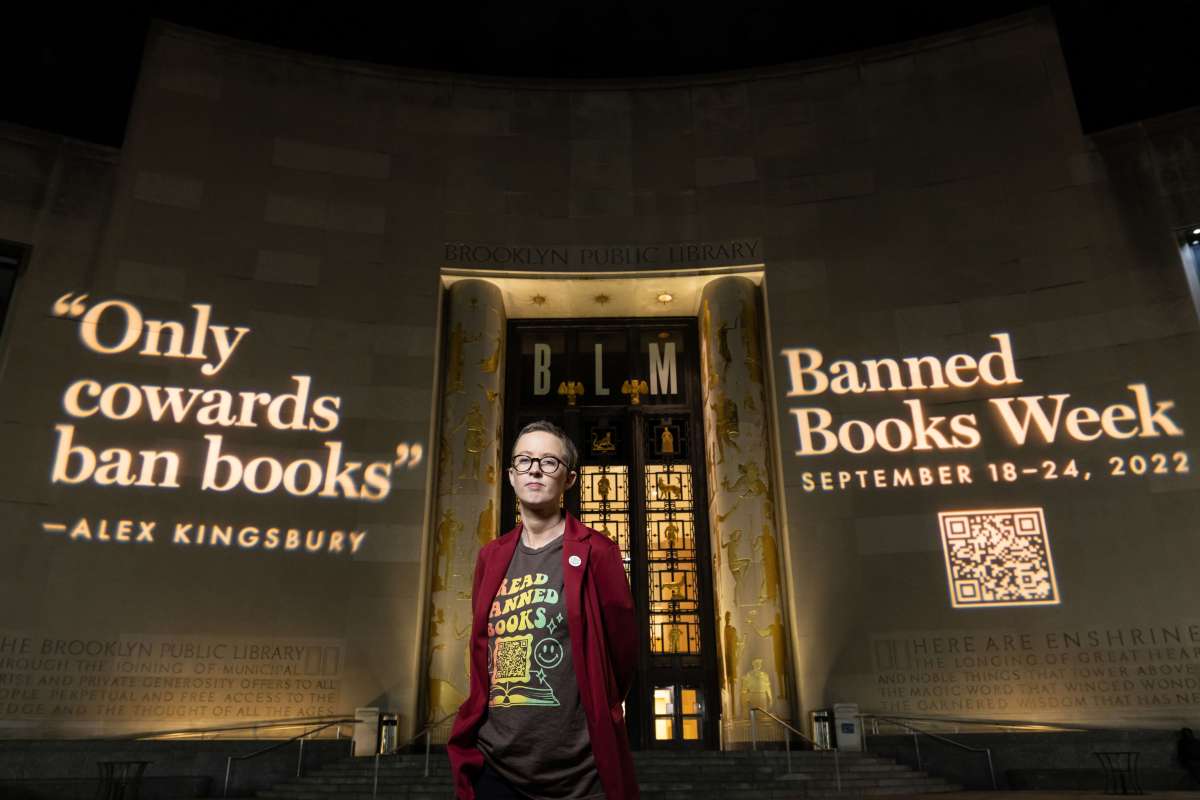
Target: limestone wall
[[916, 201]]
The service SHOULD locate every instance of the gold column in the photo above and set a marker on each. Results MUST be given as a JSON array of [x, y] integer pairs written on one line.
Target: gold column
[[749, 603], [468, 488]]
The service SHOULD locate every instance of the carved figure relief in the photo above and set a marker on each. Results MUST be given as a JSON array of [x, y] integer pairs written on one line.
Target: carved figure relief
[[604, 444], [769, 590], [737, 564], [733, 649], [748, 325], [706, 339], [436, 622], [726, 413], [460, 635], [756, 687], [485, 530], [669, 491], [672, 531], [492, 362], [737, 453], [748, 484], [445, 460], [717, 551], [445, 536], [475, 439], [778, 637], [723, 347], [458, 338]]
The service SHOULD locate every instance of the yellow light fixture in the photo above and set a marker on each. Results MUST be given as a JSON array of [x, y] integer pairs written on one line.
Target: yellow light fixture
[[665, 297]]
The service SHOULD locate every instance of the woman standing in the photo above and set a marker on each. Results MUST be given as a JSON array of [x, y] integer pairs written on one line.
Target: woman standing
[[553, 648]]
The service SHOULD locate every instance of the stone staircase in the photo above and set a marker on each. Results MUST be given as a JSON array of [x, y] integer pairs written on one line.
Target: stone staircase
[[662, 775]]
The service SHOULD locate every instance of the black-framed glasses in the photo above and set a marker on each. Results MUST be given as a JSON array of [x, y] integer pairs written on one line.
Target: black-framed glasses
[[549, 464]]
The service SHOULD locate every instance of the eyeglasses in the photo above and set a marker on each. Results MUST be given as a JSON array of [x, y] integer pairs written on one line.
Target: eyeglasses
[[548, 464]]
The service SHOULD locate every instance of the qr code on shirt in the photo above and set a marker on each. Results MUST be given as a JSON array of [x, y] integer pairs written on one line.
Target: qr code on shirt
[[512, 659], [998, 557]]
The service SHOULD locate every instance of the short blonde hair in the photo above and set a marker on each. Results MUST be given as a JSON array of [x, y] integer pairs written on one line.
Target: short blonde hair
[[549, 427]]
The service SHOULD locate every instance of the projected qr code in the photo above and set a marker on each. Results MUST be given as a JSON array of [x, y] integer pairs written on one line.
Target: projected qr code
[[512, 659], [998, 557]]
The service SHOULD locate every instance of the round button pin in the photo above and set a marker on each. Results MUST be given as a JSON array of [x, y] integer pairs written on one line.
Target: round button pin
[[574, 561]]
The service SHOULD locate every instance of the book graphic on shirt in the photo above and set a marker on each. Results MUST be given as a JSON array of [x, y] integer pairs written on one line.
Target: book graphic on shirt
[[520, 666], [514, 683]]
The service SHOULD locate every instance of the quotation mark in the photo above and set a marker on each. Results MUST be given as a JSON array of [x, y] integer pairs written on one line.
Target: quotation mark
[[410, 453], [69, 305]]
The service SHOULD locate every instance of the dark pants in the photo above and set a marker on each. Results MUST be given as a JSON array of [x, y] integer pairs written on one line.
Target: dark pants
[[490, 786]]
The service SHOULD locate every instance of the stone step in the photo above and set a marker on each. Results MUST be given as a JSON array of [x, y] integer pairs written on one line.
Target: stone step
[[886, 791], [914, 780], [335, 785], [649, 792], [717, 768], [440, 762], [293, 791], [739, 775], [674, 775], [680, 794]]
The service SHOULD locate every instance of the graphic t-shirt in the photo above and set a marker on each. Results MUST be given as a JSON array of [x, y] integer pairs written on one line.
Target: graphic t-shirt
[[535, 733]]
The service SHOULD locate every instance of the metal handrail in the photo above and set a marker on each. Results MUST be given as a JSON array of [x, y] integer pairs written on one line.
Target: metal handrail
[[788, 725], [287, 722], [1000, 723], [938, 737], [426, 731], [299, 765], [787, 741]]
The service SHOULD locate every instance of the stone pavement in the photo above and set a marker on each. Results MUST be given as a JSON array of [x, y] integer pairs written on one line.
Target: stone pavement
[[1046, 795]]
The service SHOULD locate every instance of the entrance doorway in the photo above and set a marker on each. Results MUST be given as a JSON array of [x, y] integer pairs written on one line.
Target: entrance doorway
[[628, 393]]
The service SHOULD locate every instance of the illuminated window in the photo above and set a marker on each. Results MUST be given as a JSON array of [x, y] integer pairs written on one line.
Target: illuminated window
[[671, 559], [998, 557], [690, 709], [678, 713], [664, 713], [604, 503], [11, 257]]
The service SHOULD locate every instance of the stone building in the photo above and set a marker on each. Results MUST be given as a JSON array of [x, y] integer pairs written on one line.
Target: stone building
[[881, 370]]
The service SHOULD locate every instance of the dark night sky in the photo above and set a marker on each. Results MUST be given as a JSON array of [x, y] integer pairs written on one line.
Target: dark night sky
[[74, 73]]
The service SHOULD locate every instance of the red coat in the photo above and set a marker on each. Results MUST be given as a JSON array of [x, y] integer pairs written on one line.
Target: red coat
[[603, 631]]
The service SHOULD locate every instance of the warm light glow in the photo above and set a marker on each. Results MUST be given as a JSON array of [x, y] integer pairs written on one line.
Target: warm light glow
[[112, 327], [671, 559], [604, 504], [224, 461], [919, 428], [665, 297], [664, 700], [690, 701], [998, 557]]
